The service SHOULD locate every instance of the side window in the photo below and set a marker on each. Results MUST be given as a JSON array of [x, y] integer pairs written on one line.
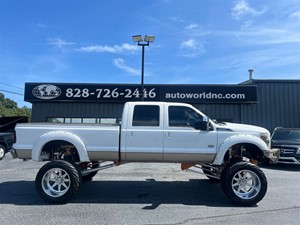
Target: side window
[[146, 115], [180, 116]]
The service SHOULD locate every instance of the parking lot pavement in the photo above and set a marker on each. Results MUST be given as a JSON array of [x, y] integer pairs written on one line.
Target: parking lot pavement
[[144, 193]]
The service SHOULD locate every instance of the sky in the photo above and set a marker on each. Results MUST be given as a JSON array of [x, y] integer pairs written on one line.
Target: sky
[[196, 42]]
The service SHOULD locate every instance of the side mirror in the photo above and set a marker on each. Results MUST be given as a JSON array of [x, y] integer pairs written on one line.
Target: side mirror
[[202, 125]]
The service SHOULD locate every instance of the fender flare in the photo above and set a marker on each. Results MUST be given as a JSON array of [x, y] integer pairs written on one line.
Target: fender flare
[[238, 139], [63, 136]]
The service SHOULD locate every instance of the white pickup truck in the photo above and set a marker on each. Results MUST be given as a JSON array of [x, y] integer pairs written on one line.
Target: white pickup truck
[[149, 132]]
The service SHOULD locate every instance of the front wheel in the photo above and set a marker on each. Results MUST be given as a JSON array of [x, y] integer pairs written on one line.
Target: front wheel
[[57, 182], [244, 183], [2, 152]]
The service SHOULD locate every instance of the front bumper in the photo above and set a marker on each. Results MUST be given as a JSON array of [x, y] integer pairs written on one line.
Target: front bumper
[[289, 160], [272, 154], [289, 154]]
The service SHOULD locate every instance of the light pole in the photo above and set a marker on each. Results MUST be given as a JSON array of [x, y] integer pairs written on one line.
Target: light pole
[[143, 42]]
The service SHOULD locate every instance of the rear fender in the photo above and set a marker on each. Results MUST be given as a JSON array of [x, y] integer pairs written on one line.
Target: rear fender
[[63, 136], [238, 139]]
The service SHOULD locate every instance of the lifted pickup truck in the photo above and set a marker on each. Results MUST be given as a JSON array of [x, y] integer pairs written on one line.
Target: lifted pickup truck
[[149, 132]]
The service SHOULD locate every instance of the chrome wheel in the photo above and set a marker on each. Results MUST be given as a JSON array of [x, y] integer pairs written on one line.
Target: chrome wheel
[[246, 184], [56, 182]]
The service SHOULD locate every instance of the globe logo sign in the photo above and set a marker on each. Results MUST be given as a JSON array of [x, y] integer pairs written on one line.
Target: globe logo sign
[[46, 91]]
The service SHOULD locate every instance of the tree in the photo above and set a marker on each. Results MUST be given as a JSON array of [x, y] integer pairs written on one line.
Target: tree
[[9, 107]]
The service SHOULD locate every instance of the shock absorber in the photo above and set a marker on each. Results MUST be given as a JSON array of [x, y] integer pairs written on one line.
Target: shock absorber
[[68, 154]]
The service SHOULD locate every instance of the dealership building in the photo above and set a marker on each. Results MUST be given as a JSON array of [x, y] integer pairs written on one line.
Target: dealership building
[[266, 103]]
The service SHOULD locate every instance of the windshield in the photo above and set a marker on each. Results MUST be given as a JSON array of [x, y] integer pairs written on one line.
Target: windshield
[[292, 135]]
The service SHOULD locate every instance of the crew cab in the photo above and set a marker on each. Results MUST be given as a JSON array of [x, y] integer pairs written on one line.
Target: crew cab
[[148, 132]]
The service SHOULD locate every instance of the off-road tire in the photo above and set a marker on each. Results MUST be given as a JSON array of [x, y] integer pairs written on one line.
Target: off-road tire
[[57, 182], [244, 183]]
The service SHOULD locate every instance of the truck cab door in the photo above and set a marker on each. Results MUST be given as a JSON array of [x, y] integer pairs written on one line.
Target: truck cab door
[[144, 134], [184, 141]]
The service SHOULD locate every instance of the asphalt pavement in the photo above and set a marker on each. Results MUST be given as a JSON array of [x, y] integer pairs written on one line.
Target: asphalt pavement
[[146, 193]]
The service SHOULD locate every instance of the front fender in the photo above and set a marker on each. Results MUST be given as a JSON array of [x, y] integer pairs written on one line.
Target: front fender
[[238, 139], [63, 136]]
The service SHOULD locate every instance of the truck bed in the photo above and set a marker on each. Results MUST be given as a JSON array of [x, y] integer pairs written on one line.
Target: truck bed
[[100, 141]]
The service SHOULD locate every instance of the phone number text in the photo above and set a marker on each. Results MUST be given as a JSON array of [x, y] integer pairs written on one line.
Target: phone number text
[[107, 93]]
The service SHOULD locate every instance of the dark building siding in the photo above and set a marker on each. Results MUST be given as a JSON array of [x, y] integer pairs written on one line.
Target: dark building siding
[[278, 105], [222, 112]]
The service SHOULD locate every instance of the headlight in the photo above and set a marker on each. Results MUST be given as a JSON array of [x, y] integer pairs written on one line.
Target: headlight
[[265, 137]]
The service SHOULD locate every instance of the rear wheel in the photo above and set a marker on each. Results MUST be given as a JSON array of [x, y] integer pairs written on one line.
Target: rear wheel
[[57, 181], [244, 183], [2, 152]]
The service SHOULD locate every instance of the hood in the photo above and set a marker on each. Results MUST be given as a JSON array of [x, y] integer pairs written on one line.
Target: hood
[[237, 127]]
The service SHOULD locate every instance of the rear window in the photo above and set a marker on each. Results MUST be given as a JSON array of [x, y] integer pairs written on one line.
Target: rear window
[[146, 115]]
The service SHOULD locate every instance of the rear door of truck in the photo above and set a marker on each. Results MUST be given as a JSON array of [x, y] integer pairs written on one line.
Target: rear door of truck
[[143, 132]]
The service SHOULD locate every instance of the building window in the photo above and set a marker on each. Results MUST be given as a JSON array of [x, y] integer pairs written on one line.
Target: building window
[[76, 120], [55, 120], [108, 121], [89, 120], [146, 115], [68, 120], [84, 120]]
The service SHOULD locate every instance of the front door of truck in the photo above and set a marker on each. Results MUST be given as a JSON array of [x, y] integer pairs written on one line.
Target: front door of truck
[[183, 141], [144, 134]]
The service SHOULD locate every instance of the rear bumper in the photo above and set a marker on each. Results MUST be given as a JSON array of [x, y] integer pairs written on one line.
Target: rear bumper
[[20, 153], [272, 154]]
